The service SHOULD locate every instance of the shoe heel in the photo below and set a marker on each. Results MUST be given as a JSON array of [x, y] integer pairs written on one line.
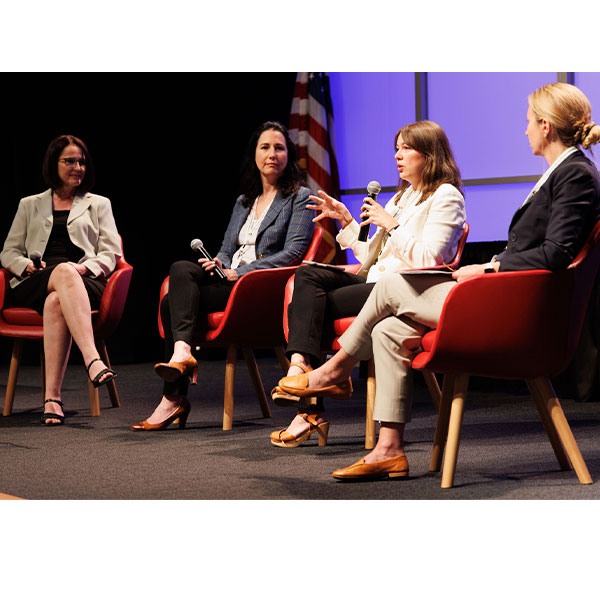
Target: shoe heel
[[322, 433], [194, 376], [398, 474], [183, 419]]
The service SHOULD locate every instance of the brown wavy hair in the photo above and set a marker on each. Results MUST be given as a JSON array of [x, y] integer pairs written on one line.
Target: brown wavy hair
[[430, 140]]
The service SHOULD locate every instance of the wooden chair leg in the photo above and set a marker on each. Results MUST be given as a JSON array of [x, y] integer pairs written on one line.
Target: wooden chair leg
[[283, 359], [229, 379], [441, 429], [553, 436], [94, 399], [259, 388], [456, 414], [370, 423], [546, 398], [111, 386], [434, 388], [13, 373], [43, 371]]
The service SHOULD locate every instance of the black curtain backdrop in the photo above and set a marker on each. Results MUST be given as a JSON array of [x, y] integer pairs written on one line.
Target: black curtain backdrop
[[167, 148]]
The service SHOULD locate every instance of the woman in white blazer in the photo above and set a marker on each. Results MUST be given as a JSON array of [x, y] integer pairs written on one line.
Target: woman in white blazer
[[61, 247], [419, 227]]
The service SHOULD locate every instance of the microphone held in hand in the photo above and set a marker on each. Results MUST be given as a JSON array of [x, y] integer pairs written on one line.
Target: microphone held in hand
[[373, 189], [198, 246], [36, 259]]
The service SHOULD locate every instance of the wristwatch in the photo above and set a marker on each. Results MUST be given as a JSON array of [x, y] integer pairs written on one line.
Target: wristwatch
[[489, 268]]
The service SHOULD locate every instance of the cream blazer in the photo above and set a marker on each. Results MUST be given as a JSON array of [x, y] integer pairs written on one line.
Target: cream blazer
[[428, 234], [90, 224]]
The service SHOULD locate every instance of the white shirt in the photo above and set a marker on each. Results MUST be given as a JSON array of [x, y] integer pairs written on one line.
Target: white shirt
[[427, 235], [246, 253]]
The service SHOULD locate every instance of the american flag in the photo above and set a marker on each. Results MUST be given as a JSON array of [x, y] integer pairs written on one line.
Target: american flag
[[311, 129]]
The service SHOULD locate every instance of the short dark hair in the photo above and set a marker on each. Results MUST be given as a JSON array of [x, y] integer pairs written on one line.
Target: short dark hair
[[292, 177], [50, 166]]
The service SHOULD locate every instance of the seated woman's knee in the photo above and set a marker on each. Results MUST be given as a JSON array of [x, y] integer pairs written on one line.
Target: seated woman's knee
[[183, 269], [52, 303], [65, 271], [306, 273]]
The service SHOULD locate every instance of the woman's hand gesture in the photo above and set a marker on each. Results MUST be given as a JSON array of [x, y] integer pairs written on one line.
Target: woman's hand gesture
[[329, 207]]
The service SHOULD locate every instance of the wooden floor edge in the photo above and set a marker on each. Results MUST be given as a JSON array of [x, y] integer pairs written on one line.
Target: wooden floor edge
[[9, 497]]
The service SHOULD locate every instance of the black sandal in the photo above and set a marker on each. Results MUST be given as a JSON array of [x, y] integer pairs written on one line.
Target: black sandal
[[96, 381], [47, 415]]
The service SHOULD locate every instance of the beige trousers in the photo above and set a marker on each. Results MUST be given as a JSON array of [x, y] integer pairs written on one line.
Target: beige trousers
[[399, 311]]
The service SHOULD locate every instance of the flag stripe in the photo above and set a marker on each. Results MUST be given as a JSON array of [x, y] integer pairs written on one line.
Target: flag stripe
[[311, 130]]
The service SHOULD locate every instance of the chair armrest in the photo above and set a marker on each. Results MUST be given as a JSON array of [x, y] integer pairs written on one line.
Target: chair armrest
[[113, 300], [5, 277], [254, 310], [512, 315]]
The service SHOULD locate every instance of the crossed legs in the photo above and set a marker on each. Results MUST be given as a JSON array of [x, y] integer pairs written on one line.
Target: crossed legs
[[389, 327], [66, 317]]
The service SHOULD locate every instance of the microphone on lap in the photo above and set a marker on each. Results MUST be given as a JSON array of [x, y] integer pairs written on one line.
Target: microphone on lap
[[373, 189], [198, 246], [36, 259]]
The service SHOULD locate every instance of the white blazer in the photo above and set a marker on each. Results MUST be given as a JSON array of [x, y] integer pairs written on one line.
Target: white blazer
[[428, 234], [90, 224]]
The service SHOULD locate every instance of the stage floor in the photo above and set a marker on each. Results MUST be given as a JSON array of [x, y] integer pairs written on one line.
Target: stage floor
[[504, 452]]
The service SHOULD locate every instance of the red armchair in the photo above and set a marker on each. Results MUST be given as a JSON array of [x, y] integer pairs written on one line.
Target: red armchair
[[25, 324], [251, 319], [511, 325], [335, 329]]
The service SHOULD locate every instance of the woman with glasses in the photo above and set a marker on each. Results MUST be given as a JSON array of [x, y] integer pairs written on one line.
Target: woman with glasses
[[269, 227], [61, 247]]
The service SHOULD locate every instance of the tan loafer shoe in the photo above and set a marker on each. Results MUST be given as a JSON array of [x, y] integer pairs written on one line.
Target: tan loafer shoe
[[298, 386], [391, 468]]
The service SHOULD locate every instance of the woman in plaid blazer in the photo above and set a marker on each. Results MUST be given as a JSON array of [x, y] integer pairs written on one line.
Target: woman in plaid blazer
[[269, 227]]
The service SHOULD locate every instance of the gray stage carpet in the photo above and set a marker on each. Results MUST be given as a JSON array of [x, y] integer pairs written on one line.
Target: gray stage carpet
[[504, 451]]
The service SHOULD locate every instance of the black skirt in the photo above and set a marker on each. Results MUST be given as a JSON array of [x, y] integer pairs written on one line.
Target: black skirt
[[32, 292]]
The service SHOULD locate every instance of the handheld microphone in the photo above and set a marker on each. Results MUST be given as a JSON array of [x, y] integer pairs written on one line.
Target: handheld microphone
[[198, 246], [373, 189], [36, 258]]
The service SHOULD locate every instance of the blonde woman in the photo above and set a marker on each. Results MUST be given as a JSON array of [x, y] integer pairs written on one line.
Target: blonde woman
[[546, 232]]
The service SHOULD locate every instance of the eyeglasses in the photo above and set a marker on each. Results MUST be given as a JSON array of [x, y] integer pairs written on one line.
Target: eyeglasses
[[71, 162]]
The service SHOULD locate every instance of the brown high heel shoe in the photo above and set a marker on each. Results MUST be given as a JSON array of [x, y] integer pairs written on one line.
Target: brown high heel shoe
[[174, 370], [181, 414], [283, 439], [282, 398], [297, 385]]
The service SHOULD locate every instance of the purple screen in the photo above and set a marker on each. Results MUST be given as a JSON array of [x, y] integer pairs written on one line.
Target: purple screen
[[484, 115]]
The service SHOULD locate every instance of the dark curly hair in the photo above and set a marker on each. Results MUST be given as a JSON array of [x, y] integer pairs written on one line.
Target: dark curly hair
[[291, 179], [50, 166]]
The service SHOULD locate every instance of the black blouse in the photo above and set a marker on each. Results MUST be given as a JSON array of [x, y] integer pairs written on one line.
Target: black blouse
[[60, 248]]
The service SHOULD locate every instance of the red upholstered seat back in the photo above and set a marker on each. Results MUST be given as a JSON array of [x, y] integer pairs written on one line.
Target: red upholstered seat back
[[520, 324]]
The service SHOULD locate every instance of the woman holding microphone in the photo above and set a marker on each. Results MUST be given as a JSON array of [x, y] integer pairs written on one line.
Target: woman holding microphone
[[419, 227], [269, 227]]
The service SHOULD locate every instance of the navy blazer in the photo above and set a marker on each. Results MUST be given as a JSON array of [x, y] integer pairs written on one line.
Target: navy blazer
[[550, 229], [282, 238]]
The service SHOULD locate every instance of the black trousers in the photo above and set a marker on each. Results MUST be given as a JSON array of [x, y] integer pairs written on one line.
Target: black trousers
[[321, 294], [193, 293]]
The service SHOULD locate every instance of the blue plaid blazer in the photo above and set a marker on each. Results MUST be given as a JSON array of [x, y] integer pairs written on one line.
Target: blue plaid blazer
[[283, 237]]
